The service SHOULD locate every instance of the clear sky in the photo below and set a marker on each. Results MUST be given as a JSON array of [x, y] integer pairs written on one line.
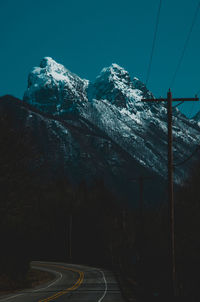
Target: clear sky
[[87, 35]]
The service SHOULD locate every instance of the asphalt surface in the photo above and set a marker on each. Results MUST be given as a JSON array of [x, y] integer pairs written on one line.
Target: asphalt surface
[[72, 283]]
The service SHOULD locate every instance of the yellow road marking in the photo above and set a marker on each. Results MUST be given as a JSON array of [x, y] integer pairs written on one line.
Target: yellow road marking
[[75, 286]]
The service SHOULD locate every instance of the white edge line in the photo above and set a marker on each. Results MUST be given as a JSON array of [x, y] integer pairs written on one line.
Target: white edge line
[[106, 287], [11, 297], [59, 278]]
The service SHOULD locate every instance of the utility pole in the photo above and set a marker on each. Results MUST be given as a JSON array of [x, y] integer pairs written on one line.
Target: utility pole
[[169, 101]]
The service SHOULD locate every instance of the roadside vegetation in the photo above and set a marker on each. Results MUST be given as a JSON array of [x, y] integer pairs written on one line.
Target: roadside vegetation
[[33, 278], [38, 217]]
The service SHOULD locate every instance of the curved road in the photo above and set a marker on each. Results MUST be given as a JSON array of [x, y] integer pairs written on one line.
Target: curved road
[[72, 283]]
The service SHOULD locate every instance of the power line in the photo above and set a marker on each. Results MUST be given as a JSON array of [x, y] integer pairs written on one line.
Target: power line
[[172, 262], [191, 109], [178, 104], [185, 45], [154, 42], [198, 147], [188, 158]]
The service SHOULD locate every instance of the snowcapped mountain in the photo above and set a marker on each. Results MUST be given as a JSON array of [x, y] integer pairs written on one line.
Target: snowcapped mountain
[[54, 89], [114, 84], [112, 104], [91, 130]]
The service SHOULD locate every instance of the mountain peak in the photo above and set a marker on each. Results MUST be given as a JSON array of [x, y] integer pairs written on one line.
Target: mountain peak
[[46, 61], [50, 65], [54, 89], [114, 65], [115, 68], [114, 73], [114, 84]]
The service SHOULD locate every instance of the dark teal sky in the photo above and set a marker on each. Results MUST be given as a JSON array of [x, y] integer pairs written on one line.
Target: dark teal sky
[[87, 35]]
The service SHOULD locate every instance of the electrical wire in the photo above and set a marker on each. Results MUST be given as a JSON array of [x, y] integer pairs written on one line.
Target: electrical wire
[[178, 104], [197, 148], [185, 45], [191, 109], [178, 65], [188, 158], [154, 42]]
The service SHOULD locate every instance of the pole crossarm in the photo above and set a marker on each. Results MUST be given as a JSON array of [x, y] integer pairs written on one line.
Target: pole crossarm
[[185, 99], [174, 100]]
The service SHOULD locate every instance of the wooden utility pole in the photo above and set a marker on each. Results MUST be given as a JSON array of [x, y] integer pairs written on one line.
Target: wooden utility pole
[[171, 195], [169, 100]]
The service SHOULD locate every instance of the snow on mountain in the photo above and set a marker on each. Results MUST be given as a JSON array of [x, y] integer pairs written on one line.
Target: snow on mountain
[[75, 149], [54, 89], [113, 105]]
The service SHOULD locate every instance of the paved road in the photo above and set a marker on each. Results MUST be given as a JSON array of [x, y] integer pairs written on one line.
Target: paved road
[[72, 283]]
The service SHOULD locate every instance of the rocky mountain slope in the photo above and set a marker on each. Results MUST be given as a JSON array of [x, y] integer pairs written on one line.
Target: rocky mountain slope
[[112, 103], [71, 148], [86, 131]]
